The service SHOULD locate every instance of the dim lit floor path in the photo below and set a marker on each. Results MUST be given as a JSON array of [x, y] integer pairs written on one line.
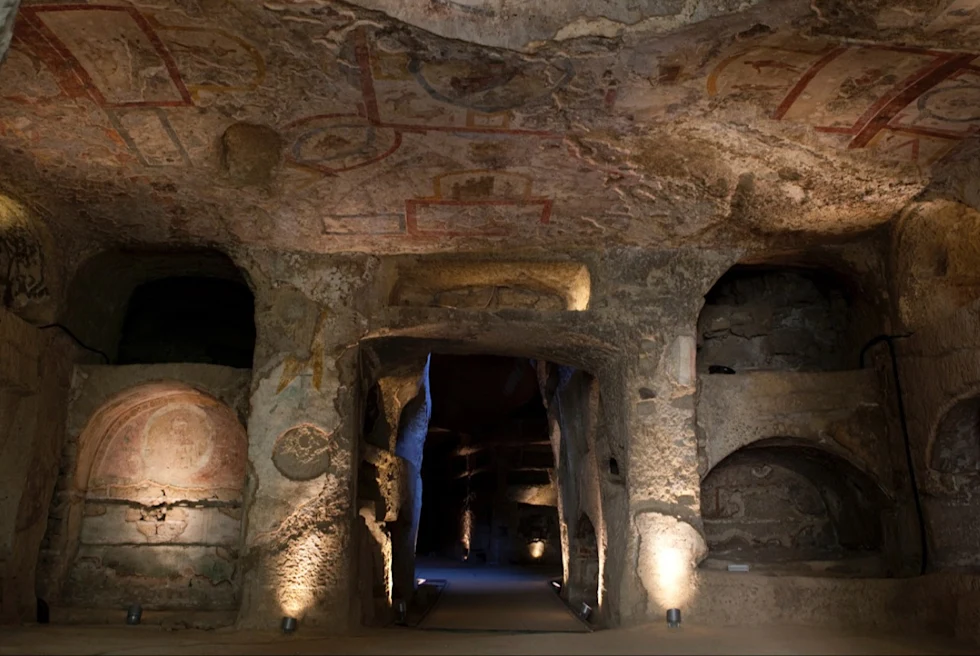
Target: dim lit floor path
[[653, 639], [496, 598]]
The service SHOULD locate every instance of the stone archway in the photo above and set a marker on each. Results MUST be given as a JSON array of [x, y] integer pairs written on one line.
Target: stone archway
[[391, 379], [956, 446]]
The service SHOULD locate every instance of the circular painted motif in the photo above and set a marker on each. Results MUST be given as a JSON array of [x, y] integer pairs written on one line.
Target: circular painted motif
[[177, 443], [302, 452], [490, 86], [333, 143], [956, 104]]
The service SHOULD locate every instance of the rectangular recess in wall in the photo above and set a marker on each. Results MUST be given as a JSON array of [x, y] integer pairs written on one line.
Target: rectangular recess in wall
[[491, 284]]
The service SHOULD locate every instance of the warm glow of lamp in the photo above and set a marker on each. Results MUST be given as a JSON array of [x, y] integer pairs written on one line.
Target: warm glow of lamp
[[466, 531], [536, 548], [299, 575], [674, 576]]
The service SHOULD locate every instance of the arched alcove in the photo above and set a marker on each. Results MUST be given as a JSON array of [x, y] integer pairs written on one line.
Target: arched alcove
[[157, 502], [189, 319], [768, 318], [950, 489], [956, 446], [156, 306], [781, 506]]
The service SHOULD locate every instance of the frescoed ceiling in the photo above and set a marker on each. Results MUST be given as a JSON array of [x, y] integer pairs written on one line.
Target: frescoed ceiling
[[323, 126]]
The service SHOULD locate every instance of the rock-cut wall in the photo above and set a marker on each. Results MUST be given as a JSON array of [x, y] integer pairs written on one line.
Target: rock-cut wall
[[148, 508]]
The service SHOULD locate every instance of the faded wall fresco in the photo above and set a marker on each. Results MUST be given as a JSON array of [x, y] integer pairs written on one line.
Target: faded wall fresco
[[907, 104], [423, 143], [25, 261], [159, 483]]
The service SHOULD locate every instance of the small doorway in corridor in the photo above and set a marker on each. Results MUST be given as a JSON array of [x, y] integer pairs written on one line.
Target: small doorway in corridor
[[459, 494], [488, 470]]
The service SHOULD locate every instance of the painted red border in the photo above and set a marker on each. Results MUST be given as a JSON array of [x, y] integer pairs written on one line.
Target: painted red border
[[911, 89], [412, 205], [805, 80], [67, 66], [369, 96]]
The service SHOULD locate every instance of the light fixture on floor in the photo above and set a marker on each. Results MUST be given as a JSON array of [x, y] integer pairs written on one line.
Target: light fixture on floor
[[674, 618], [134, 614], [585, 611], [401, 612], [288, 624], [556, 585]]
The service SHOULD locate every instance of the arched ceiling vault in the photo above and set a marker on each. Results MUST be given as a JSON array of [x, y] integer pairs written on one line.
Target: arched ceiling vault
[[476, 124]]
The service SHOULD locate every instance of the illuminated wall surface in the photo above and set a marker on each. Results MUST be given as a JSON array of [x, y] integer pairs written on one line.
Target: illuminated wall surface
[[728, 251], [159, 482]]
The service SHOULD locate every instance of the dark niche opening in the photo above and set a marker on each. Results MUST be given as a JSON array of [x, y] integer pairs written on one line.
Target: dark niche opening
[[189, 319]]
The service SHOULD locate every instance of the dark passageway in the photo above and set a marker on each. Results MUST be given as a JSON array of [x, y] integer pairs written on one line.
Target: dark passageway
[[489, 524], [488, 494]]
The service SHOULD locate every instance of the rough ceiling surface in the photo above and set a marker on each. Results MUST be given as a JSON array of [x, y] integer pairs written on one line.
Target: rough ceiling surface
[[474, 124]]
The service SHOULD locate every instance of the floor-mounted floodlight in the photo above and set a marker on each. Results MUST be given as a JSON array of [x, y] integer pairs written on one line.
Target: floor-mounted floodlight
[[585, 611], [134, 614], [674, 618], [288, 624]]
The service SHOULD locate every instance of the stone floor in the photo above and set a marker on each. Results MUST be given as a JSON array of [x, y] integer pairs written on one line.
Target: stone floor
[[655, 639], [486, 598], [489, 611]]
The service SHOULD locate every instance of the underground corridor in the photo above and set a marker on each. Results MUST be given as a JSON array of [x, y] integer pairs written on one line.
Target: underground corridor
[[477, 543], [489, 326]]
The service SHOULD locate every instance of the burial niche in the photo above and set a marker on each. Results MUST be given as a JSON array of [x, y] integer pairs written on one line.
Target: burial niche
[[768, 319], [189, 319], [153, 306], [952, 486], [157, 507], [783, 507]]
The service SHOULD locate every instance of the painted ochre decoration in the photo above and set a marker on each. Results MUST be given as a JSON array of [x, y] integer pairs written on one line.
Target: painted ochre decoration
[[164, 439], [302, 453], [477, 202]]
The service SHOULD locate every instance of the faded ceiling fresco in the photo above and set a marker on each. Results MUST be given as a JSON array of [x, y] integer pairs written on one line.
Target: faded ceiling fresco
[[321, 126]]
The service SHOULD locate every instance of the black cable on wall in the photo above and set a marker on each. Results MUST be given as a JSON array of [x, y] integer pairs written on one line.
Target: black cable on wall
[[74, 337], [890, 341]]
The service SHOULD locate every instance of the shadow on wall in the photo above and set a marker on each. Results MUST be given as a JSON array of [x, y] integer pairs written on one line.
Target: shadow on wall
[[583, 581], [782, 507]]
